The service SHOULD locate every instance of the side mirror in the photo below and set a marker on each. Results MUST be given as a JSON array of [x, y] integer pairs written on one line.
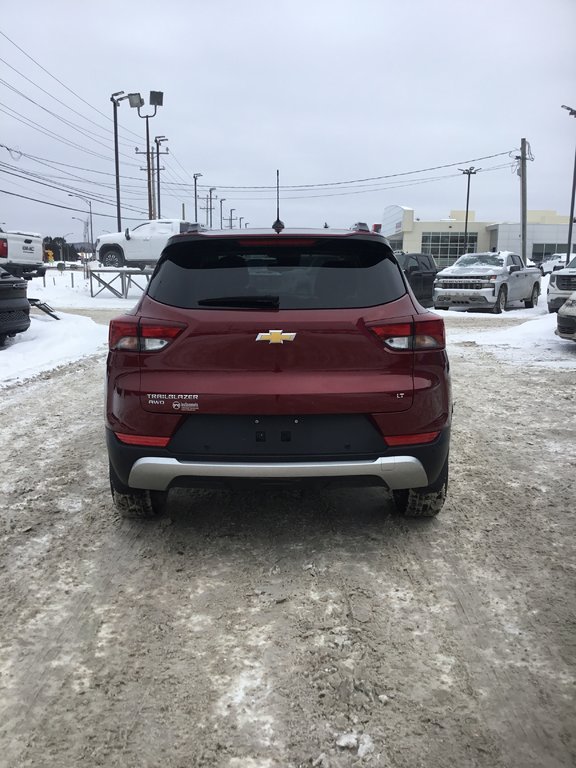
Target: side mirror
[[127, 234]]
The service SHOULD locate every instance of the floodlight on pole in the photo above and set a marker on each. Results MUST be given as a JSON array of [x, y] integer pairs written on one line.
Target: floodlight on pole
[[137, 102], [116, 98], [572, 113], [196, 177]]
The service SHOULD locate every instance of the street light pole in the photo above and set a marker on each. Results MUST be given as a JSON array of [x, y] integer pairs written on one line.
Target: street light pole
[[196, 177], [467, 172], [222, 201], [158, 140], [116, 98], [86, 200], [240, 219], [212, 189], [571, 219], [136, 101]]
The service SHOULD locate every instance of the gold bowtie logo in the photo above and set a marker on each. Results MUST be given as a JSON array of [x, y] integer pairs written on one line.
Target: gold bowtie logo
[[276, 337]]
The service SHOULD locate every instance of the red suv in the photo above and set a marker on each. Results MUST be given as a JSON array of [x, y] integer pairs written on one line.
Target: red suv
[[278, 357]]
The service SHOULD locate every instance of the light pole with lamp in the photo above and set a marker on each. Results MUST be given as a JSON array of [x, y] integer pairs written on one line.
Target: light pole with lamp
[[136, 101], [246, 224], [116, 98], [212, 189], [158, 140], [571, 219], [196, 177], [240, 220], [86, 200], [222, 201], [231, 212], [85, 234], [467, 172]]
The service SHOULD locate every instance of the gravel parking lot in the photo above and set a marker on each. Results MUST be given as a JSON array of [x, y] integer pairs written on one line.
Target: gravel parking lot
[[285, 629]]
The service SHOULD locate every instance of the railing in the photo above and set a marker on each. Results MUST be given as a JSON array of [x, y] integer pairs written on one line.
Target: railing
[[117, 281]]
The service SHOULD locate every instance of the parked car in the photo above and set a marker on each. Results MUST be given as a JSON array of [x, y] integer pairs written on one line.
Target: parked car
[[552, 263], [562, 283], [491, 280], [138, 247], [566, 321], [420, 270], [278, 357], [14, 306]]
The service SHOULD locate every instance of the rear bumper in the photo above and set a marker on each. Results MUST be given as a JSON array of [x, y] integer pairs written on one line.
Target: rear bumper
[[158, 469], [396, 471]]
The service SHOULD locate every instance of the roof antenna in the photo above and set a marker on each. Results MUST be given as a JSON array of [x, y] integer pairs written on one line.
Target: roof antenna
[[278, 225]]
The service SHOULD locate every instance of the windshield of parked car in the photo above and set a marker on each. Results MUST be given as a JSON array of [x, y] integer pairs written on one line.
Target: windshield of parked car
[[480, 259], [314, 274]]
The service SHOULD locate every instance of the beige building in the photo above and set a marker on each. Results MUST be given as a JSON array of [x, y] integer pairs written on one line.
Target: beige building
[[546, 233]]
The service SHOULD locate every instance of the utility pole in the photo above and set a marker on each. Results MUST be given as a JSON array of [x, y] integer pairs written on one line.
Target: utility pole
[[571, 219], [151, 184], [467, 172], [231, 212], [196, 177], [212, 189], [523, 200], [158, 140]]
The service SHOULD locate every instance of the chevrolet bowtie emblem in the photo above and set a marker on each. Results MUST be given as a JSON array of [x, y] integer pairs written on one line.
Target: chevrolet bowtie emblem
[[276, 337]]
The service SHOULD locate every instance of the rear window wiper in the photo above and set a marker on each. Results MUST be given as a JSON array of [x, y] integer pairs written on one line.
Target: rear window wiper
[[259, 302]]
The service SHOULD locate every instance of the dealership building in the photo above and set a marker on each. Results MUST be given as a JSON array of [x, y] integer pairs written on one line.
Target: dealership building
[[546, 233]]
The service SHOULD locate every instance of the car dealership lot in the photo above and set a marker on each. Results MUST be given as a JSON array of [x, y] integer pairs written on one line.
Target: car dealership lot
[[278, 629]]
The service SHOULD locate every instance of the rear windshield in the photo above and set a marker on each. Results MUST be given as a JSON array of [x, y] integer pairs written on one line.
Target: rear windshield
[[314, 275]]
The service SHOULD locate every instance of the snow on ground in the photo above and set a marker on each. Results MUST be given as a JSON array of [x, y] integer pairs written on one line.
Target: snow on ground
[[520, 336]]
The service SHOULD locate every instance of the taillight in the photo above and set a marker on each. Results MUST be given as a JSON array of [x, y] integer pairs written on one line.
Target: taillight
[[131, 334], [422, 333], [3, 248], [422, 437], [148, 440]]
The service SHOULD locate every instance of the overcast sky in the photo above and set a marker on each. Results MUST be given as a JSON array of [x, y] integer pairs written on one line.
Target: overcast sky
[[326, 91]]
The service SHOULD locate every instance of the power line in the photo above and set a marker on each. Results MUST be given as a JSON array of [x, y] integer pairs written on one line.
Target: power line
[[55, 98], [109, 119], [66, 207]]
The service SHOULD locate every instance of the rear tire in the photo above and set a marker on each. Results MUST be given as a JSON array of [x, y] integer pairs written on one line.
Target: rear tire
[[136, 503], [533, 300], [423, 502]]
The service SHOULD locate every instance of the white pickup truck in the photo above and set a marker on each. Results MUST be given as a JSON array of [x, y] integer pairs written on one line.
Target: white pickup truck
[[562, 284], [22, 254], [491, 280], [140, 246]]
